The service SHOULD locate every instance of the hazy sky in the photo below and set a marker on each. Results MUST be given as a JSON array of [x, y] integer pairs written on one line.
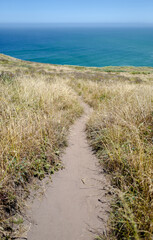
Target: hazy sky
[[76, 11]]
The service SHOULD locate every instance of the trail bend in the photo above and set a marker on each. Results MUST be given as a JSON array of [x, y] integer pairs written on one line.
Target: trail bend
[[75, 205]]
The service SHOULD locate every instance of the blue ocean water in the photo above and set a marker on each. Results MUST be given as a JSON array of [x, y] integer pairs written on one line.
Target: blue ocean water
[[74, 45]]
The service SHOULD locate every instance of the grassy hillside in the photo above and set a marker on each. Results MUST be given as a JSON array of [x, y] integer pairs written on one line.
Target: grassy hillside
[[120, 131], [36, 112], [38, 103]]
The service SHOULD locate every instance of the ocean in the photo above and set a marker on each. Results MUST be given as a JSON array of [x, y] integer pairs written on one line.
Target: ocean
[[89, 45]]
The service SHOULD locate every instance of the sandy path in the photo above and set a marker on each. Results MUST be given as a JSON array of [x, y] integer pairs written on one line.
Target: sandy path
[[70, 209]]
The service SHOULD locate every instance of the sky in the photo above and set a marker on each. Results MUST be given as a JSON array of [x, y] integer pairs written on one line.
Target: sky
[[78, 11]]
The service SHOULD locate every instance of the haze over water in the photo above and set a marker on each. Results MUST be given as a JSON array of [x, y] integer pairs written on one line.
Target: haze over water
[[88, 45]]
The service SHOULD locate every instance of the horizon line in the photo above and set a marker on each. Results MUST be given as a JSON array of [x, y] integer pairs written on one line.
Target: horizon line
[[145, 23]]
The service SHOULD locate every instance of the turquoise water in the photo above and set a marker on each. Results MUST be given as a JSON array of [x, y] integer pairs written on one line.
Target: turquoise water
[[84, 46]]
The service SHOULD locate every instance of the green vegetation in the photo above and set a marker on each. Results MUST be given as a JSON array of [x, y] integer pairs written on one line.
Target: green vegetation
[[38, 103]]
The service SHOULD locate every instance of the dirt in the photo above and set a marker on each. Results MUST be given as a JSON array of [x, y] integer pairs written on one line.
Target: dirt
[[75, 205]]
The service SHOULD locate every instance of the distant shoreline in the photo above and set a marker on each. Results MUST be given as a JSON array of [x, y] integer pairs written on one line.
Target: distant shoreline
[[105, 68]]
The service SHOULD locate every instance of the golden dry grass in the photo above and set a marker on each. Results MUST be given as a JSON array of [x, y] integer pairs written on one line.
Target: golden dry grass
[[37, 106], [121, 132], [36, 113]]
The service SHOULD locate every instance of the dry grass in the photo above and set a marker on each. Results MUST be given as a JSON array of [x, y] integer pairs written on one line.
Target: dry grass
[[35, 116], [37, 106], [121, 132]]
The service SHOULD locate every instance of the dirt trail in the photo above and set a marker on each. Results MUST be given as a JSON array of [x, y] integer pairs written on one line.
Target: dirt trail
[[70, 209]]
